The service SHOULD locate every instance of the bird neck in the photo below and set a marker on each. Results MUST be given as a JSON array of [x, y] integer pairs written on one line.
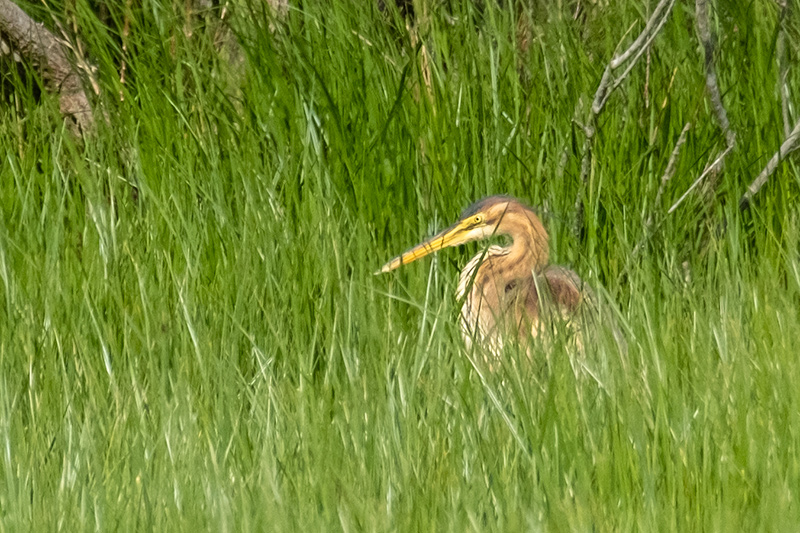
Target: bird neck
[[530, 247]]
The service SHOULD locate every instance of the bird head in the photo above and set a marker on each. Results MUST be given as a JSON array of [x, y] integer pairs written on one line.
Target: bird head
[[495, 215]]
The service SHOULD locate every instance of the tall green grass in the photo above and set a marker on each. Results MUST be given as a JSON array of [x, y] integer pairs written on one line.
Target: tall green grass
[[191, 337]]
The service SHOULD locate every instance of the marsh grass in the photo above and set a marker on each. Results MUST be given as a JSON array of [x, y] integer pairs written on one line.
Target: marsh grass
[[191, 337]]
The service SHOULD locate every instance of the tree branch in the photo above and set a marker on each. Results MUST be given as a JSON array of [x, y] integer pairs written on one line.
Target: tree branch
[[669, 171], [696, 182], [783, 65], [788, 146], [673, 160], [711, 74], [721, 115], [608, 83], [38, 46]]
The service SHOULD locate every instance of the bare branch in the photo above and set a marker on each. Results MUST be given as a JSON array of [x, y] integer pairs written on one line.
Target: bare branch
[[783, 65], [713, 166], [788, 146], [638, 55], [701, 10], [792, 135], [704, 33], [673, 160], [608, 83], [37, 45], [648, 30], [668, 173]]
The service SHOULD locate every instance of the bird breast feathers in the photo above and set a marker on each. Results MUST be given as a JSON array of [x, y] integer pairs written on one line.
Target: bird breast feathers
[[468, 272]]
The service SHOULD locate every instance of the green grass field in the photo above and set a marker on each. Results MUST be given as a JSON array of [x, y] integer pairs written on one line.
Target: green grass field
[[192, 339]]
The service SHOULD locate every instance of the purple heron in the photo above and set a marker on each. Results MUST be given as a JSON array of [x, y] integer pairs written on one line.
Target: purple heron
[[508, 292]]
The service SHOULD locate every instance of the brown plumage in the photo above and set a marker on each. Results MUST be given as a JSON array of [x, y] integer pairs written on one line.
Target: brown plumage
[[508, 292]]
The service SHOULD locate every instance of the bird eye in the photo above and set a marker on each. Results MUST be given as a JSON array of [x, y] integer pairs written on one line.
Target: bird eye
[[477, 219]]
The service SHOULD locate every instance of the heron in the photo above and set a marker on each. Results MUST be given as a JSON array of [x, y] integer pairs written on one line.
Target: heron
[[508, 292]]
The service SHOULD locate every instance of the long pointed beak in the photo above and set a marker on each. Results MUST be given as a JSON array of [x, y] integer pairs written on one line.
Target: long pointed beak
[[452, 236]]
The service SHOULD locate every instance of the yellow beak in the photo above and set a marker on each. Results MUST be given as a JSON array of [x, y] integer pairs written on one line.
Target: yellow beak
[[452, 236]]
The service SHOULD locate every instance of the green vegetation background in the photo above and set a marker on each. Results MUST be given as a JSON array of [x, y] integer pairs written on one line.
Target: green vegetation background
[[210, 350]]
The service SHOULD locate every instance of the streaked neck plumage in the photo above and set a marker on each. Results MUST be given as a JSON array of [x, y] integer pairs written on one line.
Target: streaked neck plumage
[[529, 252]]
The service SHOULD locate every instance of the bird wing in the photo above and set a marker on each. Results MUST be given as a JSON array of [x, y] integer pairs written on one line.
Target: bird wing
[[566, 289], [554, 296], [578, 305]]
